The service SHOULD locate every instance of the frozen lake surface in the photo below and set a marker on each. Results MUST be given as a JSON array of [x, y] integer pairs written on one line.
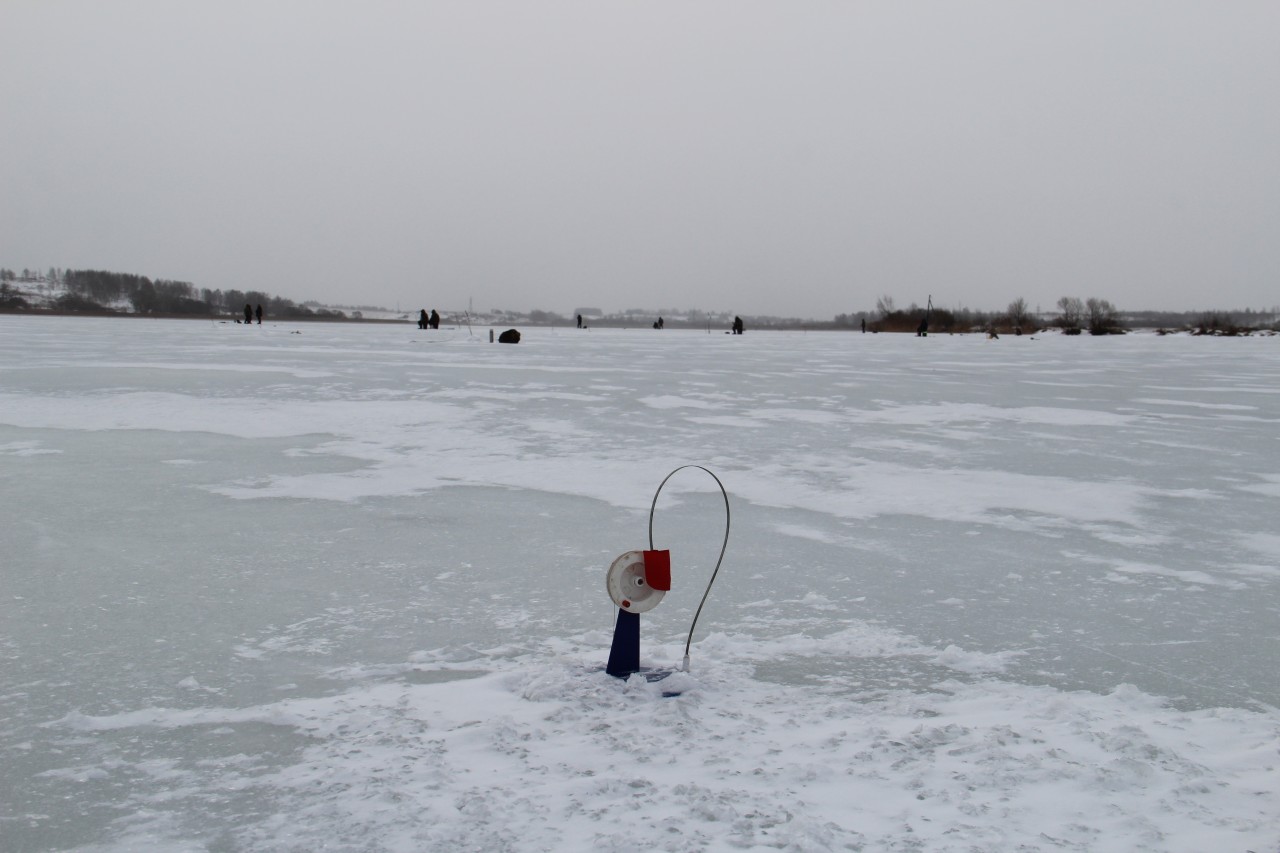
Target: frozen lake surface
[[341, 587]]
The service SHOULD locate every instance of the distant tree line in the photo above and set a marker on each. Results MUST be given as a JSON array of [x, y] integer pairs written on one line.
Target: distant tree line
[[1097, 315], [1017, 318], [99, 292], [1230, 323], [1074, 316]]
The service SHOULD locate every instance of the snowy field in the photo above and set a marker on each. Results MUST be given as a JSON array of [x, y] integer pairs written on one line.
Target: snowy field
[[341, 587]]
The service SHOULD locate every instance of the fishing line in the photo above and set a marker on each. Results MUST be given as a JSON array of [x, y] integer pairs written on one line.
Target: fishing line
[[723, 547]]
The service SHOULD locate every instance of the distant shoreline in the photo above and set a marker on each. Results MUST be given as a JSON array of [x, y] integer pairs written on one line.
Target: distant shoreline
[[484, 322], [123, 315]]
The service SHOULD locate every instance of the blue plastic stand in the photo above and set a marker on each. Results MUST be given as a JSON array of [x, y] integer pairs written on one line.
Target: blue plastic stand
[[624, 655]]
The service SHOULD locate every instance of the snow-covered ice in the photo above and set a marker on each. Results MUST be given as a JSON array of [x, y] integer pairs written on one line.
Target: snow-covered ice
[[341, 587]]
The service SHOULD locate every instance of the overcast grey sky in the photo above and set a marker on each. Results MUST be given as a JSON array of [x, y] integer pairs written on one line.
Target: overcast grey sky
[[794, 159]]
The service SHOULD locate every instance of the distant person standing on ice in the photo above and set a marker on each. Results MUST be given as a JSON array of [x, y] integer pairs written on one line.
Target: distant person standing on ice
[[435, 319], [738, 327], [422, 319], [579, 321], [259, 313], [248, 313]]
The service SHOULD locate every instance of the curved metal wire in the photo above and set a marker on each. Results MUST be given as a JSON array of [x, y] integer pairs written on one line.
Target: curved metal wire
[[723, 547]]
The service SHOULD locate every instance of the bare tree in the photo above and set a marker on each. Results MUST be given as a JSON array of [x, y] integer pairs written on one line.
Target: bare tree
[[1102, 316], [1019, 317], [885, 305], [1072, 314]]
